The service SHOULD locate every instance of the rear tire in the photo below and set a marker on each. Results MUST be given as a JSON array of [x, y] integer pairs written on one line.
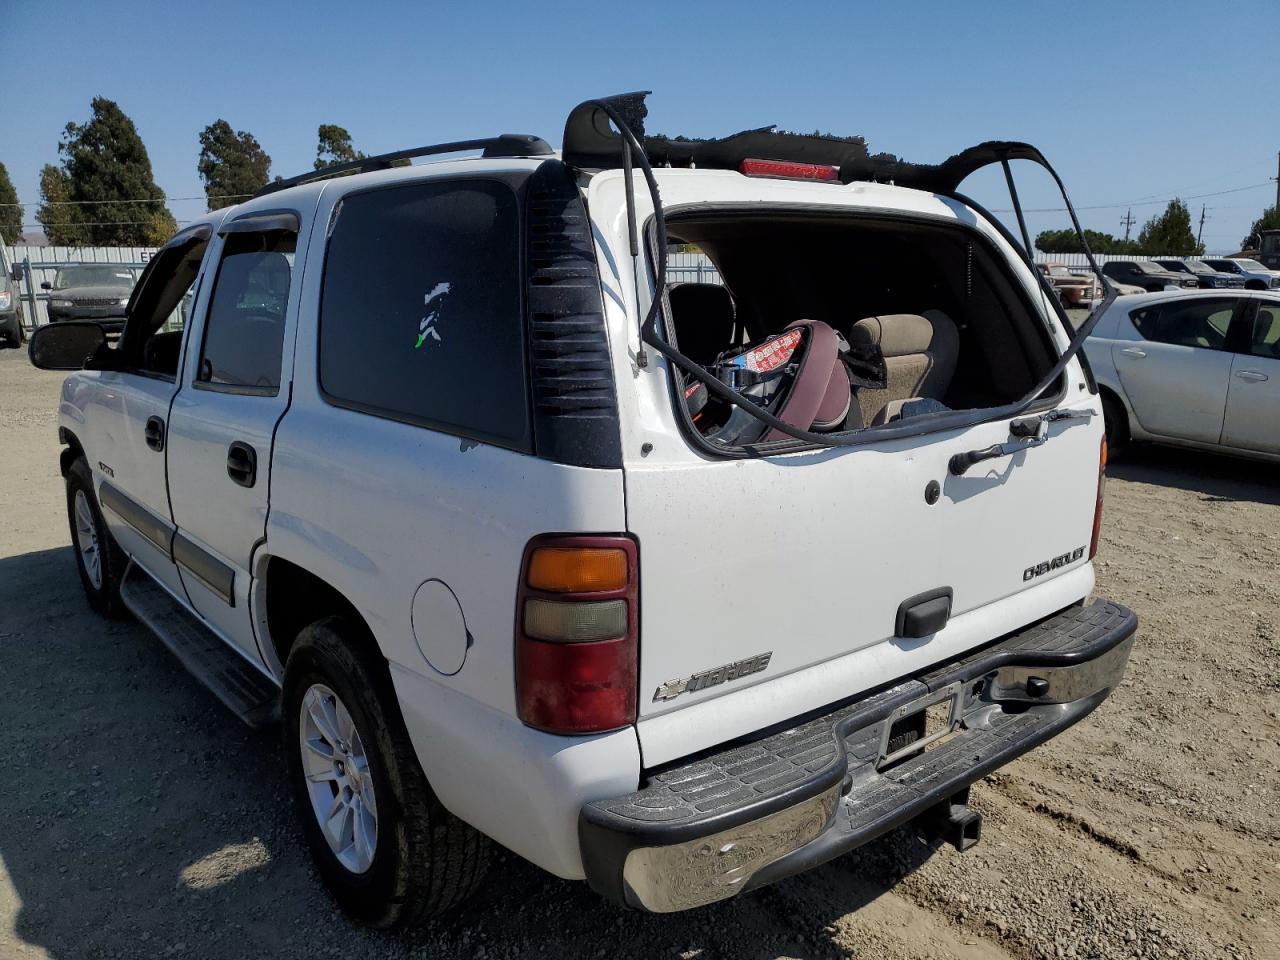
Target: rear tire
[[421, 861], [1117, 425], [99, 560]]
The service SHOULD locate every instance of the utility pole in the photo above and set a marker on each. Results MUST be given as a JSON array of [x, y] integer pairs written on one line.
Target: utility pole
[[1200, 232], [1278, 181], [1127, 222]]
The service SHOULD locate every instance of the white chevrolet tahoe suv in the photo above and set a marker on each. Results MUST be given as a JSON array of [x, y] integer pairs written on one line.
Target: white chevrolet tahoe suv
[[679, 588]]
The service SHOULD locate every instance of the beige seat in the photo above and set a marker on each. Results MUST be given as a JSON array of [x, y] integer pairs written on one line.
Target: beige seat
[[920, 356]]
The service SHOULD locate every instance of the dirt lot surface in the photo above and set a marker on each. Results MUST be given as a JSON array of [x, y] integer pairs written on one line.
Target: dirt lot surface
[[140, 819]]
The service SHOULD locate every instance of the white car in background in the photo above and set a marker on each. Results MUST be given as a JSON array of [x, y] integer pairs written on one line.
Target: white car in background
[[1256, 276], [1198, 369]]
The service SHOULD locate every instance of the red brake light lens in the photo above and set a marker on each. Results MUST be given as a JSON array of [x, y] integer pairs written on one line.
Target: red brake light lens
[[577, 611], [790, 170]]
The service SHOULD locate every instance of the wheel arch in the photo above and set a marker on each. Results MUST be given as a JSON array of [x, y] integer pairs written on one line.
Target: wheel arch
[[1112, 399], [74, 450], [289, 597]]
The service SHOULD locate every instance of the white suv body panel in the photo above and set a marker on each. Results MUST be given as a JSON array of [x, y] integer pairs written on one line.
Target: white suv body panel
[[742, 557]]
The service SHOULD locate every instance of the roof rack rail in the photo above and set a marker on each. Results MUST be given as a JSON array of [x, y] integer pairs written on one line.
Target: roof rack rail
[[504, 145]]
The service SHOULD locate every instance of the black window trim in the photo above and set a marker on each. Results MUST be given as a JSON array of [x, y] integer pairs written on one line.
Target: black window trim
[[429, 423], [266, 221]]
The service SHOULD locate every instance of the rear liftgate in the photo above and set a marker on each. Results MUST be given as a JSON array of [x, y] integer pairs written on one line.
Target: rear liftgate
[[608, 133]]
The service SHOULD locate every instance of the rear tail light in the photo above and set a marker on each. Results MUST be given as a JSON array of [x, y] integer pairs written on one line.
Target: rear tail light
[[577, 618], [1097, 510], [789, 170]]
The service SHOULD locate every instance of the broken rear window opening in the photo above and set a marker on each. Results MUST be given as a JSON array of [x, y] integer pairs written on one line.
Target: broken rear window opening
[[609, 133], [883, 319]]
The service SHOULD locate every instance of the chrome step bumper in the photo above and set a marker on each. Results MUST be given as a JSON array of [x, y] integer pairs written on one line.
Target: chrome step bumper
[[706, 829]]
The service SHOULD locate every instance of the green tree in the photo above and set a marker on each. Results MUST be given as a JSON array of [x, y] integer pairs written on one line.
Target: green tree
[[1170, 233], [232, 164], [107, 175], [55, 210], [10, 210], [1067, 241], [334, 146], [1270, 220]]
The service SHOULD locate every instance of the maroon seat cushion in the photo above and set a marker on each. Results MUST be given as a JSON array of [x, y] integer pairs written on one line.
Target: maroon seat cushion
[[820, 395]]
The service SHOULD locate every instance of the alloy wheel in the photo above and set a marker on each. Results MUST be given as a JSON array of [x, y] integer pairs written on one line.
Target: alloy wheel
[[339, 781]]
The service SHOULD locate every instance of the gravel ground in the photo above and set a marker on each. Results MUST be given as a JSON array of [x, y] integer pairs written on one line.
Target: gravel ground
[[141, 820]]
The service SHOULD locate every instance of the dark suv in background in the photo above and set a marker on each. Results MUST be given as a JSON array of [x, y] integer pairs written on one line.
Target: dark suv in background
[[1207, 277], [91, 291], [1147, 274], [10, 304]]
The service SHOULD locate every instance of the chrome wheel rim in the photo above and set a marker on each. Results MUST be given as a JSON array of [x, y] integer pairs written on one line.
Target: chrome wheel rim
[[87, 540], [339, 782]]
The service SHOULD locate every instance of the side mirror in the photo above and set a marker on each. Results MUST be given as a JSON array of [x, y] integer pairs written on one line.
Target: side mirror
[[68, 345], [15, 273], [46, 285]]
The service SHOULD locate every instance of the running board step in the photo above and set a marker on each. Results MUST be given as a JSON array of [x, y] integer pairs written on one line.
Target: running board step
[[245, 690]]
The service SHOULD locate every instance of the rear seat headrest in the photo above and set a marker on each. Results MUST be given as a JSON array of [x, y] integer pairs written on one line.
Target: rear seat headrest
[[902, 334], [704, 319]]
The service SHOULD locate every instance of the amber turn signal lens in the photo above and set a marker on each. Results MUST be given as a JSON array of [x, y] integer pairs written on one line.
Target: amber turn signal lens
[[577, 569]]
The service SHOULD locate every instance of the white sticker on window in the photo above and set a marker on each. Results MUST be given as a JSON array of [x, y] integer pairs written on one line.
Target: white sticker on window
[[427, 326]]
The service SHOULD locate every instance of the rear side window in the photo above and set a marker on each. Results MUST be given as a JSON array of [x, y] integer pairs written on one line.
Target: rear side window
[[244, 332], [1196, 323], [420, 317], [1266, 332]]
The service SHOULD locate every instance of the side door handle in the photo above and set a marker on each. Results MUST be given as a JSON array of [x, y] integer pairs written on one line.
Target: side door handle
[[1134, 352], [1253, 376], [154, 433], [242, 464]]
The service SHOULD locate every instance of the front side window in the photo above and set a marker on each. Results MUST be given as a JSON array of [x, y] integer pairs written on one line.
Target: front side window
[[420, 316], [244, 332], [1197, 323], [152, 338]]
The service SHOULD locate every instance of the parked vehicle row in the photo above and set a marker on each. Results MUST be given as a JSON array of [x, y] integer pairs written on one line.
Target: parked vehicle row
[[1194, 369]]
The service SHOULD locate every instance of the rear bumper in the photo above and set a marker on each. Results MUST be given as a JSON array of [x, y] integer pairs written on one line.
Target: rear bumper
[[741, 817]]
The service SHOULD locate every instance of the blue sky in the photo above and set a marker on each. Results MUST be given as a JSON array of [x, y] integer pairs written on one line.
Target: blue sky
[[1131, 102]]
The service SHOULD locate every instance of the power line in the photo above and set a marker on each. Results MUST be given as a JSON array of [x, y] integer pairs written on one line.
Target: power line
[[1141, 203], [98, 223], [87, 203]]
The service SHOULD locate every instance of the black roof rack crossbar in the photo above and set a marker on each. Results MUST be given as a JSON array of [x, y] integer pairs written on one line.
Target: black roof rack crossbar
[[504, 145]]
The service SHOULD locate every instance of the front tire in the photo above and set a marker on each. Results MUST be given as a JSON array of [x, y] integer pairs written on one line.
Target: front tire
[[99, 560], [386, 848]]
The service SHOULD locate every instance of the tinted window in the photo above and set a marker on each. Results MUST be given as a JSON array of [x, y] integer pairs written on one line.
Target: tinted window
[[1266, 331], [1195, 323], [244, 332], [420, 317]]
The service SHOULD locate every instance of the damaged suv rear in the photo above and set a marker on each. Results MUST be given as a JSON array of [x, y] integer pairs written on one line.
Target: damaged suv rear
[[865, 473]]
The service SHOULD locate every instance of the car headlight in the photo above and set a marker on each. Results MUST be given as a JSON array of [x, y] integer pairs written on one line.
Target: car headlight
[[60, 303], [122, 302], [6, 299]]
